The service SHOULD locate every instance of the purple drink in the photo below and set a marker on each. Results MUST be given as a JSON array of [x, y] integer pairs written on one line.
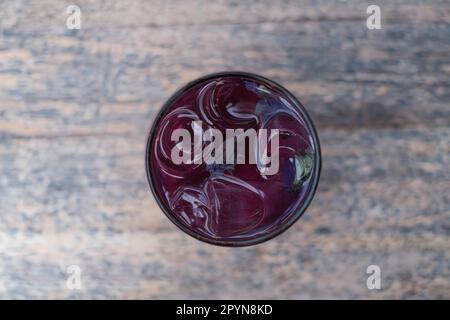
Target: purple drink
[[233, 159]]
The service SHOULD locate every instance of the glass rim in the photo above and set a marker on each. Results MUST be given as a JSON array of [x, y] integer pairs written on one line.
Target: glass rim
[[286, 224]]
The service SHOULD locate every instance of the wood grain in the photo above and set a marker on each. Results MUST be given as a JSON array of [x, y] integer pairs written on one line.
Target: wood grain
[[76, 106]]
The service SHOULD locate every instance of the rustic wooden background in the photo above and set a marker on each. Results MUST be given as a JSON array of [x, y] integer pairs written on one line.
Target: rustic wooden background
[[75, 108]]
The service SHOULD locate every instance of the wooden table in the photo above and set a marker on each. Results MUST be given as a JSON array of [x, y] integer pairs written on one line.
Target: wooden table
[[76, 106]]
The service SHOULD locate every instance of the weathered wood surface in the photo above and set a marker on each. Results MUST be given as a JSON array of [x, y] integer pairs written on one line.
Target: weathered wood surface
[[75, 108]]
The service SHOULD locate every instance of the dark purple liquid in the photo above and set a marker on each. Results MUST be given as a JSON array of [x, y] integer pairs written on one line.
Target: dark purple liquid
[[234, 204]]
